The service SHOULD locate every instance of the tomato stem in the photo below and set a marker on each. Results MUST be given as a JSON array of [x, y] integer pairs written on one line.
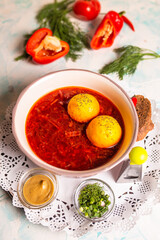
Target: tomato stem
[[121, 13]]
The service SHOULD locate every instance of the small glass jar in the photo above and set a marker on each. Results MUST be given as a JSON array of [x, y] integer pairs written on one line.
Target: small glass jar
[[28, 175], [107, 190]]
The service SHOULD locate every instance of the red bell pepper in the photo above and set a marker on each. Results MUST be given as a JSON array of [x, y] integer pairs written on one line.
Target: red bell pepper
[[134, 100], [45, 48], [128, 22], [108, 29]]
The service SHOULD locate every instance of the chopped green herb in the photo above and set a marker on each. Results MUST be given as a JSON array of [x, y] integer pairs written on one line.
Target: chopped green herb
[[93, 202], [126, 63]]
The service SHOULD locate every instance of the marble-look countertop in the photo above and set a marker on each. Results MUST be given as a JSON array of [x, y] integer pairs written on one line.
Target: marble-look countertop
[[15, 226], [17, 17]]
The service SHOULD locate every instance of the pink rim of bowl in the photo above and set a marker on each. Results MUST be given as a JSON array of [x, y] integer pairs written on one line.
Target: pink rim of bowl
[[79, 78]]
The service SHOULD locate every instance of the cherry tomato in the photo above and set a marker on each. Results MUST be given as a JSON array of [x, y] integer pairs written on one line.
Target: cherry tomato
[[87, 9]]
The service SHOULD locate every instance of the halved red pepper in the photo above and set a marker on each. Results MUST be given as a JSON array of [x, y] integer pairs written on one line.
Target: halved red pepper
[[108, 29], [45, 48]]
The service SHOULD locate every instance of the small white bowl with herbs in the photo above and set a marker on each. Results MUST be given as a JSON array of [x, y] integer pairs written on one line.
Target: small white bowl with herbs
[[94, 199]]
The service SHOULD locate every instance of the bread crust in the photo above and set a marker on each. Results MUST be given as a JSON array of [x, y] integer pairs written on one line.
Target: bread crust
[[143, 108]]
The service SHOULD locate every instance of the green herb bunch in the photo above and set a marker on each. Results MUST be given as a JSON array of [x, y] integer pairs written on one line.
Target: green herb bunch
[[93, 201], [54, 16], [129, 57]]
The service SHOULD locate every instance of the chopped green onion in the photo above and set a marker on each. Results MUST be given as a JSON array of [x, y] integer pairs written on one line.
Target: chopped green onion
[[93, 201]]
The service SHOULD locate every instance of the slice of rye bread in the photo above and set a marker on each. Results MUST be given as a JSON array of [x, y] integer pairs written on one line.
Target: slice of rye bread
[[143, 108]]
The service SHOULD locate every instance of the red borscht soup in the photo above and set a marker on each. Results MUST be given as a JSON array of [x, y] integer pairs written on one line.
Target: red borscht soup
[[59, 140]]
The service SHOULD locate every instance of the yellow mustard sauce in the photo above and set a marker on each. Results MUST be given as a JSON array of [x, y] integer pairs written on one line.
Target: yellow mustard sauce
[[38, 189]]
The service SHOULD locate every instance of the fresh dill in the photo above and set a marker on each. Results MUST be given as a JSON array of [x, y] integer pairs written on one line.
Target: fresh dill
[[126, 63], [54, 16], [25, 55]]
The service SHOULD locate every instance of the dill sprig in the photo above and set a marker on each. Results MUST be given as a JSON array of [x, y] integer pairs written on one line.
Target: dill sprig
[[54, 16], [25, 55], [126, 63]]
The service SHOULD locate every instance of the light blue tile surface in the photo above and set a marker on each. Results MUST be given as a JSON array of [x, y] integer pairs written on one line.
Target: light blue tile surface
[[16, 19]]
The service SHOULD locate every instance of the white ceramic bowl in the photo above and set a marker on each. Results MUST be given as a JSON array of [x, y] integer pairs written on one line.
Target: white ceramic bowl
[[81, 78]]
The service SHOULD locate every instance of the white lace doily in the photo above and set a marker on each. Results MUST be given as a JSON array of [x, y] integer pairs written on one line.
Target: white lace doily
[[132, 199]]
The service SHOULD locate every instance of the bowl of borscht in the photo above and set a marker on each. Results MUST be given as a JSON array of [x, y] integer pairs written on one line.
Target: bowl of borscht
[[69, 137]]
